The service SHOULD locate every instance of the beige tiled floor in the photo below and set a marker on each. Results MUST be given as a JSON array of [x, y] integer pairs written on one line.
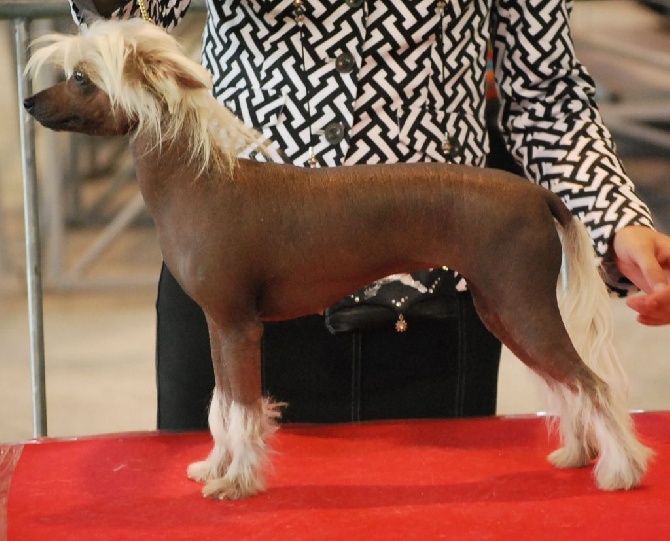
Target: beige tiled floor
[[99, 343]]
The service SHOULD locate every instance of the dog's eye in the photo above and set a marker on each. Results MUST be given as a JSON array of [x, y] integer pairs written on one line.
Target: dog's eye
[[79, 77]]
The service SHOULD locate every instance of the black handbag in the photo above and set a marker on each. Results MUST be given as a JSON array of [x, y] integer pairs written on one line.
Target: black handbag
[[397, 300]]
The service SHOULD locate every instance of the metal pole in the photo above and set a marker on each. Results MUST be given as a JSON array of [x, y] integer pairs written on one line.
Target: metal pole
[[33, 256]]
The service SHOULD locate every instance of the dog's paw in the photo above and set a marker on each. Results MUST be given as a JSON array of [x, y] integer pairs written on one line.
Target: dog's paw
[[623, 471], [200, 471], [224, 488], [567, 457], [619, 479], [215, 465]]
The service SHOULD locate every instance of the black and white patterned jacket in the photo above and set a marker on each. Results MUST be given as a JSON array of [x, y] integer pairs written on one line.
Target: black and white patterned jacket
[[388, 81]]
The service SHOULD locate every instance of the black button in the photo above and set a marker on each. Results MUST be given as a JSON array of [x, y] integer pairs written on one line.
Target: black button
[[334, 132], [345, 63], [354, 3]]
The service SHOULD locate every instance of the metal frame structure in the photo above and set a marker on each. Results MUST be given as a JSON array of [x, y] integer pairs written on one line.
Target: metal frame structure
[[22, 13], [635, 119]]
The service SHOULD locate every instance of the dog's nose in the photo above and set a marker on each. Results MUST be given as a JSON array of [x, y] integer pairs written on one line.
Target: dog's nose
[[29, 103]]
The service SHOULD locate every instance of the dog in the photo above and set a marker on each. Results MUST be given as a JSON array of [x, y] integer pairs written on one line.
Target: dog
[[252, 242]]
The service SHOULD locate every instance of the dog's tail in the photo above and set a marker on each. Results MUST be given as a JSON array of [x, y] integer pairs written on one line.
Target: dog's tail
[[584, 301], [597, 424]]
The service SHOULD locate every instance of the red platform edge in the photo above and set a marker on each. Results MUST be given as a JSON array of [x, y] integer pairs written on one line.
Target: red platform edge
[[455, 479]]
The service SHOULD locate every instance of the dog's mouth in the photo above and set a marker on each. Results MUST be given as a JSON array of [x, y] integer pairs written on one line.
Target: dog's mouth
[[77, 123], [62, 124]]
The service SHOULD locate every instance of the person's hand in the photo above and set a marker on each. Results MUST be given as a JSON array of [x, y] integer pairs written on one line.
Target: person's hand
[[643, 256]]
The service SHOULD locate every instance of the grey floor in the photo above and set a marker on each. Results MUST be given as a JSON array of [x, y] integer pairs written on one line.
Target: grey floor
[[100, 334]]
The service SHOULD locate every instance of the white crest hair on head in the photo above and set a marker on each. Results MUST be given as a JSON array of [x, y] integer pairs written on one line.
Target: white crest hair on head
[[148, 77]]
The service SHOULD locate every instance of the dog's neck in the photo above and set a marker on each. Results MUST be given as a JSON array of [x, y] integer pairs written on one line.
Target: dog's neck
[[164, 171]]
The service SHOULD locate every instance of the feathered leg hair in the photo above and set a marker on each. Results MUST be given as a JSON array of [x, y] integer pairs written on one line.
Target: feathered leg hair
[[234, 467]]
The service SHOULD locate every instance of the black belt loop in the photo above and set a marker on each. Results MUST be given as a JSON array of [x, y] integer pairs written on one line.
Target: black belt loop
[[356, 359], [462, 355]]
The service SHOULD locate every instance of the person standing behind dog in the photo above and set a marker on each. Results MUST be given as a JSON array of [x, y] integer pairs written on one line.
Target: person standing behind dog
[[367, 81]]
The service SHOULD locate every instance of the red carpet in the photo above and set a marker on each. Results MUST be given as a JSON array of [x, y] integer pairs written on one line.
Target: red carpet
[[465, 479]]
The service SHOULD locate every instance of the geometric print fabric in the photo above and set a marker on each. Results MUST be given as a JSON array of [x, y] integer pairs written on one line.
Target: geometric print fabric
[[384, 81]]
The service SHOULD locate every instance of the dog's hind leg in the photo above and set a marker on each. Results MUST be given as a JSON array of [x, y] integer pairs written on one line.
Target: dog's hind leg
[[594, 423], [240, 419], [590, 419], [577, 448]]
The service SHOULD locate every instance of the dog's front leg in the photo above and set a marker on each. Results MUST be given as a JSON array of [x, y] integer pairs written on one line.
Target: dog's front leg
[[240, 420], [218, 460]]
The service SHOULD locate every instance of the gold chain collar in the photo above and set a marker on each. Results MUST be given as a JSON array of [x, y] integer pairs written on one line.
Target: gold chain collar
[[143, 11]]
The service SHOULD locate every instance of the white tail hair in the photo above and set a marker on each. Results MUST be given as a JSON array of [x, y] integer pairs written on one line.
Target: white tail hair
[[597, 424], [585, 307]]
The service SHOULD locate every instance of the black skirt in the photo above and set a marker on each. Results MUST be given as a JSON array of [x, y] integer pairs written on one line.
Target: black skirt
[[436, 369]]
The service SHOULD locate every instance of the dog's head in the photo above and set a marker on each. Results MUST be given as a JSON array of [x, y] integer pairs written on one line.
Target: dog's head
[[120, 75], [78, 105]]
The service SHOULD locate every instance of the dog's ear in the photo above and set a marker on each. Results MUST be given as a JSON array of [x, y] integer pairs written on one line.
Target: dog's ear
[[188, 76], [188, 80], [157, 70]]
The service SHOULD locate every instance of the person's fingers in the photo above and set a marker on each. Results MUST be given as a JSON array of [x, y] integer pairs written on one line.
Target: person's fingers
[[652, 308]]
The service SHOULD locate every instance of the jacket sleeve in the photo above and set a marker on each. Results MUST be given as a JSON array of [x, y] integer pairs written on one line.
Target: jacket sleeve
[[552, 125], [165, 13]]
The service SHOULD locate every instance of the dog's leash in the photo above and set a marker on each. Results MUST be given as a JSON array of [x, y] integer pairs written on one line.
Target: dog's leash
[[143, 11]]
